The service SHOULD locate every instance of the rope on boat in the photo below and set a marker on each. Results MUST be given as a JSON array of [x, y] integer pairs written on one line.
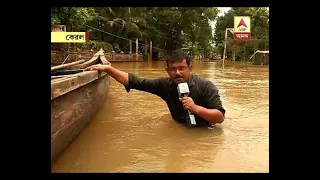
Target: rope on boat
[[65, 59]]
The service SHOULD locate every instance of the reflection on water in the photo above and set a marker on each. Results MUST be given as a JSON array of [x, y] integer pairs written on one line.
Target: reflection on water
[[134, 132]]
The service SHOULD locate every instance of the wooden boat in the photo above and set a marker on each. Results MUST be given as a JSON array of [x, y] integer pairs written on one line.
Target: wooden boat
[[76, 97]]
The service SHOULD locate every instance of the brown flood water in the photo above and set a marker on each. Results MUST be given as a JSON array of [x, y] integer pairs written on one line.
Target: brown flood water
[[134, 132]]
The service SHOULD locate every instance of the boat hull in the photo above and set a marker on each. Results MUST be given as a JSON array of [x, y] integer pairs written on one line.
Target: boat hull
[[72, 111]]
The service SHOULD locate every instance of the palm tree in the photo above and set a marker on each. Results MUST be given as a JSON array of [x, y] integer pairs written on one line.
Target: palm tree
[[259, 18], [125, 24]]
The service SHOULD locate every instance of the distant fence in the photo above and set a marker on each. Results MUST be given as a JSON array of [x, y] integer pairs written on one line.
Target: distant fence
[[58, 57], [118, 57]]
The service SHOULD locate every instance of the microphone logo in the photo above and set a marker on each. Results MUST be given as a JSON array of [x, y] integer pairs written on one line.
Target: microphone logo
[[183, 89]]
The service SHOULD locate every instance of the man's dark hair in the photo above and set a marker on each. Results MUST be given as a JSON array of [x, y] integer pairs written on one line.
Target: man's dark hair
[[178, 55]]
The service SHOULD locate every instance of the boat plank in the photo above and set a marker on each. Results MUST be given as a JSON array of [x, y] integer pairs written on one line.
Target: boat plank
[[66, 85], [94, 60], [67, 65]]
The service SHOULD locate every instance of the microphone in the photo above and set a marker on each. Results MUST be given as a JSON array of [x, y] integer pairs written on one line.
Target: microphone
[[183, 91]]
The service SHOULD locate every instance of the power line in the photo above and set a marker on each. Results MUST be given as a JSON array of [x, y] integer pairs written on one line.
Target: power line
[[151, 33], [121, 37], [108, 33]]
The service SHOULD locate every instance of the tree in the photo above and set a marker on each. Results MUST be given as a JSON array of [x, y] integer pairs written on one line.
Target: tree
[[168, 28], [259, 31]]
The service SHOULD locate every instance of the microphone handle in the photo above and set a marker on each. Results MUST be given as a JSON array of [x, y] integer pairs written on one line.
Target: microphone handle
[[185, 95], [191, 116]]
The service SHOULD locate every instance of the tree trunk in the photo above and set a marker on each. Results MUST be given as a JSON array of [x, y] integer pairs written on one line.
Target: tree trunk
[[145, 46], [244, 52], [233, 55], [265, 42], [101, 33]]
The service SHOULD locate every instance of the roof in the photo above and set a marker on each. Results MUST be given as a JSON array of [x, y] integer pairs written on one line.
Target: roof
[[262, 52]]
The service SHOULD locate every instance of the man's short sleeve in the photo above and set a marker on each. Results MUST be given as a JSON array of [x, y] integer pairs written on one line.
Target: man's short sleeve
[[153, 86], [212, 98]]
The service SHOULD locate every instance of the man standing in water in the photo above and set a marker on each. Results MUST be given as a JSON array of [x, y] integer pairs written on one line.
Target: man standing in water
[[203, 100]]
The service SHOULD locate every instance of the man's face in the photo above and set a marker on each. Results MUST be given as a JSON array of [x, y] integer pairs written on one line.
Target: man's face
[[178, 69]]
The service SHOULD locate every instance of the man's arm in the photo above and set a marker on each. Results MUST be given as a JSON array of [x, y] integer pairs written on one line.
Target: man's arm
[[120, 76], [129, 80], [210, 115], [213, 111]]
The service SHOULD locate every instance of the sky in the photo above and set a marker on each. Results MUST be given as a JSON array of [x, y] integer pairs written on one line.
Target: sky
[[222, 10]]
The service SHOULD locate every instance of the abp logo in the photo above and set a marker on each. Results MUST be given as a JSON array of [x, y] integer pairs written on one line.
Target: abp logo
[[241, 27]]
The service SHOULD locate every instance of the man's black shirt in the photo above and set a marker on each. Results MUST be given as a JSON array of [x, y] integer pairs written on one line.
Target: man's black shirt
[[203, 92]]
